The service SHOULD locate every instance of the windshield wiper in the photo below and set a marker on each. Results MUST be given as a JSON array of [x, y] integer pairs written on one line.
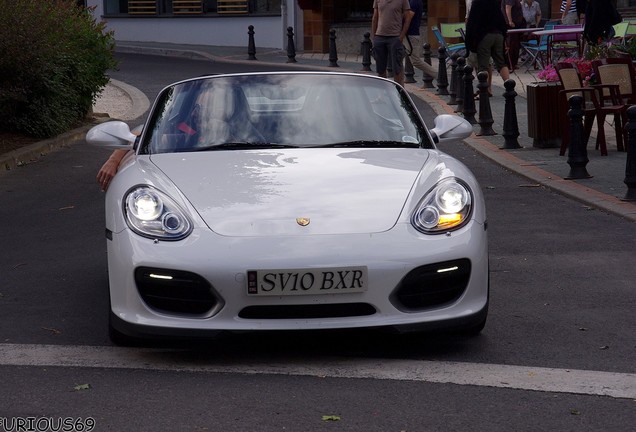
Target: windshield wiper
[[242, 146], [368, 143]]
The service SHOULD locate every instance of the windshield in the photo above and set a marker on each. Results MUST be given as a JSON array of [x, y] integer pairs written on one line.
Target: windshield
[[282, 110]]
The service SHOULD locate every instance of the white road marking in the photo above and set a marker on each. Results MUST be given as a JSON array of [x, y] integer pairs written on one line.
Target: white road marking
[[617, 385]]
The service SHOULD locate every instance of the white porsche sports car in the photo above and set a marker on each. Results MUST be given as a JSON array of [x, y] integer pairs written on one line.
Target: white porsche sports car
[[291, 201]]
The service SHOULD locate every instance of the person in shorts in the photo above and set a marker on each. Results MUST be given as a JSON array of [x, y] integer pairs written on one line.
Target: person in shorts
[[485, 34], [391, 20]]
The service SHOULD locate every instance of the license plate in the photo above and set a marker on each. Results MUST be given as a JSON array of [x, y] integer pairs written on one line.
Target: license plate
[[307, 281]]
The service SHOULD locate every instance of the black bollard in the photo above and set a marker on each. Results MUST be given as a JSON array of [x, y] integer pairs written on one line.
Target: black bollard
[[630, 167], [365, 48], [291, 47], [459, 85], [251, 46], [428, 80], [452, 85], [485, 112], [333, 52], [469, 95], [409, 72], [577, 150], [442, 76], [511, 125]]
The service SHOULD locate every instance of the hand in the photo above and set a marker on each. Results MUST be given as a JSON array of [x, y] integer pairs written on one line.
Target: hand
[[106, 173], [109, 169]]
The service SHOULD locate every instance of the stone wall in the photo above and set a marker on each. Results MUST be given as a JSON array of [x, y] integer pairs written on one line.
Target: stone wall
[[349, 37]]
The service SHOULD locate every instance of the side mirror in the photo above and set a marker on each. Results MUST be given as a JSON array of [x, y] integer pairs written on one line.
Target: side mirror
[[451, 127], [114, 134]]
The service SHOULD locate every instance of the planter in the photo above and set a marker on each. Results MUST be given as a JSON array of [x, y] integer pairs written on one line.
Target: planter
[[543, 114]]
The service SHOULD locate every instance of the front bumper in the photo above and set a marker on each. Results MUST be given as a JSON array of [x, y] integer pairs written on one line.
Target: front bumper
[[223, 262]]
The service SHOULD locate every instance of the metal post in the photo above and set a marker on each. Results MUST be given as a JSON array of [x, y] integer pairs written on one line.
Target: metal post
[[511, 124], [577, 150], [251, 46], [469, 95], [442, 76], [333, 52], [452, 87], [428, 80], [485, 111], [365, 47], [461, 64], [291, 48], [630, 167]]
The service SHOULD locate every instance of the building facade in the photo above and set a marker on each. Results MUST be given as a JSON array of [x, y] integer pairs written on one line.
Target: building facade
[[226, 22], [200, 22]]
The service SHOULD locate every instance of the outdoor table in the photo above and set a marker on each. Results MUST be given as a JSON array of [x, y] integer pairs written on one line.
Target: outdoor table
[[524, 30], [557, 31]]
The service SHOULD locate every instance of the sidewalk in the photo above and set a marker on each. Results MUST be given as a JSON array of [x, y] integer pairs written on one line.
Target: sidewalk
[[540, 165]]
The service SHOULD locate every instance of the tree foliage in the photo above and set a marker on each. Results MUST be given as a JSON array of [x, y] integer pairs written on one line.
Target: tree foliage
[[54, 57]]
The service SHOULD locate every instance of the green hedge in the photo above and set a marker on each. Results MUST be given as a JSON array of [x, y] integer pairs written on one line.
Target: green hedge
[[53, 63]]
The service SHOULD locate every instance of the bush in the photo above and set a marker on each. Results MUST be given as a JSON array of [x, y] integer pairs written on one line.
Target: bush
[[53, 65]]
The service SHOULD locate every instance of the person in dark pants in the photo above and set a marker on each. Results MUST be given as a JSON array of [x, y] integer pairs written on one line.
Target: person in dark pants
[[600, 16], [413, 43], [513, 14], [390, 22], [485, 33]]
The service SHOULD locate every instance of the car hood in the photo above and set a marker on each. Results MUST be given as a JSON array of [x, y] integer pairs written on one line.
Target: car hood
[[296, 191]]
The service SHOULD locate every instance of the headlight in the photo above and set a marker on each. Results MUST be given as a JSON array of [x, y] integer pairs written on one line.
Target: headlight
[[153, 214], [445, 207]]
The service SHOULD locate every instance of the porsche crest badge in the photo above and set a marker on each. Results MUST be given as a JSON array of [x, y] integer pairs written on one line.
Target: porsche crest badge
[[302, 221]]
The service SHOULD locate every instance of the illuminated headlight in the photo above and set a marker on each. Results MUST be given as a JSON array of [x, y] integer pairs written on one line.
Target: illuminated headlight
[[445, 207], [153, 214]]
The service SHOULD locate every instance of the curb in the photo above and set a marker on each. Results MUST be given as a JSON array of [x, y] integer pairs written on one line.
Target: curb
[[32, 153], [140, 102]]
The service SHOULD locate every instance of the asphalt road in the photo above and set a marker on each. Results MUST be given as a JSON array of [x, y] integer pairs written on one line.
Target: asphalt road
[[562, 298]]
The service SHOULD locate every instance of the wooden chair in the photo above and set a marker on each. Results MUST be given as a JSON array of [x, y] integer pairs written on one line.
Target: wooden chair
[[592, 108], [617, 87], [572, 85], [618, 71]]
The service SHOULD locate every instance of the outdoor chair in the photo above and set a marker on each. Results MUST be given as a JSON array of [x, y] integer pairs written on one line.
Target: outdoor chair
[[618, 71], [537, 51], [451, 30], [620, 32], [573, 86], [565, 45], [459, 48], [631, 29], [615, 91]]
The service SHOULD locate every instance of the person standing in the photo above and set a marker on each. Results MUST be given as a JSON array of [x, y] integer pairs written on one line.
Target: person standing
[[600, 16], [412, 42], [531, 13], [513, 13], [569, 15], [390, 22], [581, 5], [472, 56], [485, 34]]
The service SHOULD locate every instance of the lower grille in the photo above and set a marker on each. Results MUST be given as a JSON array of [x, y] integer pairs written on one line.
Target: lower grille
[[175, 291], [432, 285], [307, 311]]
